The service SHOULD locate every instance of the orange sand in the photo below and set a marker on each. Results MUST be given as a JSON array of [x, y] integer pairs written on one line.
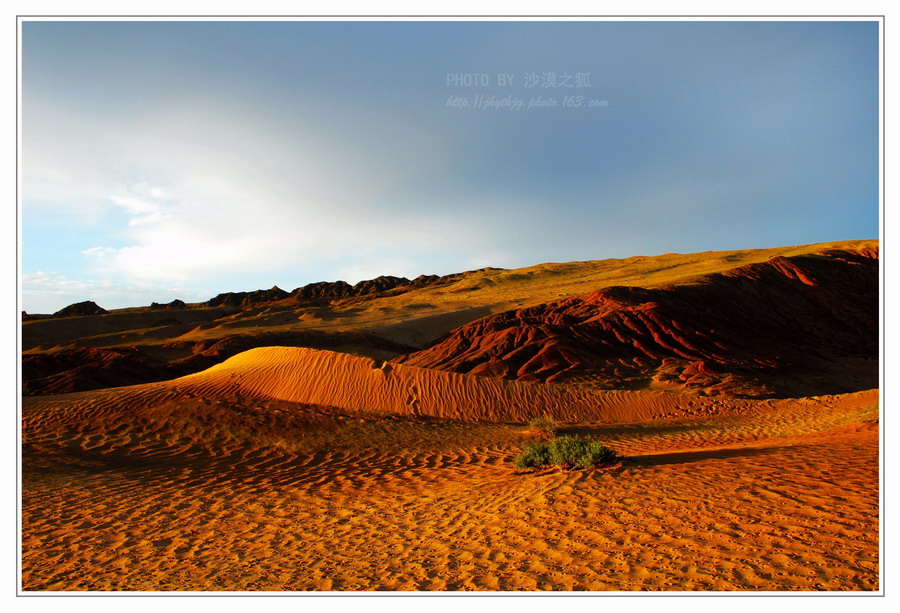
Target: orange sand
[[292, 469]]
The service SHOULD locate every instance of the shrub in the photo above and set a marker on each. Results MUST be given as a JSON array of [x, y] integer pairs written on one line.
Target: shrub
[[543, 424], [533, 456], [565, 452]]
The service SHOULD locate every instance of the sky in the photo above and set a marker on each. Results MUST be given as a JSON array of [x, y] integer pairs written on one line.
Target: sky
[[181, 159]]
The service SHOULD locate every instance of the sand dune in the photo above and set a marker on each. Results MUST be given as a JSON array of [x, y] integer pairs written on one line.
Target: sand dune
[[360, 384], [223, 481], [357, 384]]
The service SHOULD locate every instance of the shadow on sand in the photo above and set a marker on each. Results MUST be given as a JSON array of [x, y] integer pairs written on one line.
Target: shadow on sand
[[686, 457], [636, 429]]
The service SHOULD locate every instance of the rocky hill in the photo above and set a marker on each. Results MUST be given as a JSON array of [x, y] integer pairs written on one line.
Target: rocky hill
[[789, 326]]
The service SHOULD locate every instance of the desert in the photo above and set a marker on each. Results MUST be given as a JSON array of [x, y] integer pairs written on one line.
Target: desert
[[363, 437]]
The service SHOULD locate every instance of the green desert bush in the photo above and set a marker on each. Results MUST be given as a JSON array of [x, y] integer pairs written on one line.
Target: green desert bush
[[543, 424], [565, 452], [535, 455]]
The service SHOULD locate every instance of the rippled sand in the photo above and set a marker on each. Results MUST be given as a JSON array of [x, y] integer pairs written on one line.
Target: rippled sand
[[208, 484]]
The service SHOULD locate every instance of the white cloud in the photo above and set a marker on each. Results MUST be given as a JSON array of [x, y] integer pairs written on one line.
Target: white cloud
[[209, 192], [99, 252], [135, 206]]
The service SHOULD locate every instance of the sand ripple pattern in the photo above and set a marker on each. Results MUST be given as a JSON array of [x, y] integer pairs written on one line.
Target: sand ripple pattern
[[768, 518], [228, 481]]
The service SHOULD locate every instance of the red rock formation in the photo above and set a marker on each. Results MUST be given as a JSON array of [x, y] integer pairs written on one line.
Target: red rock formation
[[801, 325], [86, 369]]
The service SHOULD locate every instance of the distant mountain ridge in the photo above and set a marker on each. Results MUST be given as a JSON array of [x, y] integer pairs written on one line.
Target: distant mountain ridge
[[780, 321], [321, 290]]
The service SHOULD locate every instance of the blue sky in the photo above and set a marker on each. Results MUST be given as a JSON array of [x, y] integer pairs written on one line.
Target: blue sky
[[167, 160]]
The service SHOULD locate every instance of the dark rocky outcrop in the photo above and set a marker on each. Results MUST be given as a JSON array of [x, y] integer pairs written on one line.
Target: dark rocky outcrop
[[26, 316], [323, 289], [341, 289], [175, 304], [80, 309], [338, 290], [243, 299]]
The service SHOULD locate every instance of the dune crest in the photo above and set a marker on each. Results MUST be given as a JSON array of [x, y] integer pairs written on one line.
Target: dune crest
[[360, 384]]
